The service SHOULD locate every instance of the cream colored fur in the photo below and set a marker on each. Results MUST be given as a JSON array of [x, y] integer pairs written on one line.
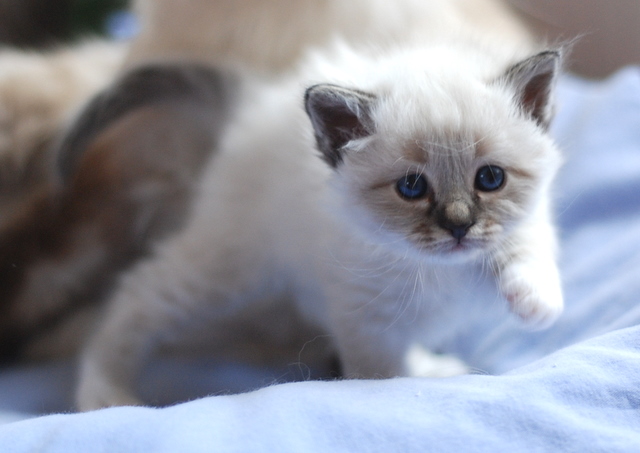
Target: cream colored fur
[[271, 35], [40, 91]]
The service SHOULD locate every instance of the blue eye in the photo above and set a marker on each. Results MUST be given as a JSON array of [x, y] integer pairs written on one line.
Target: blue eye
[[489, 178], [412, 187]]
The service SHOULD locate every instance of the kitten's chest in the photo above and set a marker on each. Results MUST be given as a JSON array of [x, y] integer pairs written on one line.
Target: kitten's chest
[[437, 304], [455, 303]]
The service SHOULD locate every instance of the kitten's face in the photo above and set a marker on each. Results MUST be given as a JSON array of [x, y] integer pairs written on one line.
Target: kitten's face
[[450, 197], [447, 169]]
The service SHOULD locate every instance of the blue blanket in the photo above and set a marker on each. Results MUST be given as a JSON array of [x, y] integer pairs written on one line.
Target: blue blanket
[[574, 387]]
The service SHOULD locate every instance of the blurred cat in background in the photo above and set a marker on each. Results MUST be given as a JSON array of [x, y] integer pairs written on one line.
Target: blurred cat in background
[[80, 210], [40, 91]]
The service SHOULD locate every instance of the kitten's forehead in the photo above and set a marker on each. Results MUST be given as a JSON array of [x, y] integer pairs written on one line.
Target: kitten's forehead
[[436, 116], [444, 122], [442, 112], [441, 151]]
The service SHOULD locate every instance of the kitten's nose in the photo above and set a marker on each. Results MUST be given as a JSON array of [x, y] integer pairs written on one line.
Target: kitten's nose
[[457, 217], [457, 231]]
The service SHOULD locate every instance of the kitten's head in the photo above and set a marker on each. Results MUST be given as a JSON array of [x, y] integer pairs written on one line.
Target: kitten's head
[[444, 166]]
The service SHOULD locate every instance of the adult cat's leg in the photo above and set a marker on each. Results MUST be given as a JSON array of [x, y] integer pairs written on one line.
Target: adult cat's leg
[[528, 275], [150, 304]]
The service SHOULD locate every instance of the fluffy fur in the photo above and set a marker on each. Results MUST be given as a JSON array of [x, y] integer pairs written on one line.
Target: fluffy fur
[[39, 93], [333, 239]]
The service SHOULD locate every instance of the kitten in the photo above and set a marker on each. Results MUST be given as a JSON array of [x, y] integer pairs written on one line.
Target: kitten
[[428, 202], [120, 179]]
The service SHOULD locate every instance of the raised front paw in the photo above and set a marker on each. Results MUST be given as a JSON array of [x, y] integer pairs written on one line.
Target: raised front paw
[[533, 293]]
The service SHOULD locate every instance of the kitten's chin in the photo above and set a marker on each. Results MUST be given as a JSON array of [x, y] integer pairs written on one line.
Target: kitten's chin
[[442, 251], [452, 252], [459, 254]]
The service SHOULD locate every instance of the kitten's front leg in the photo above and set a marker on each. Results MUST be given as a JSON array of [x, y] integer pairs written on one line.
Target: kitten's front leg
[[377, 327], [528, 275], [389, 353]]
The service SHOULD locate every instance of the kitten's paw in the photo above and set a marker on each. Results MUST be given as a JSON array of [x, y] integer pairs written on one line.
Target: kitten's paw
[[535, 295], [100, 393], [424, 363]]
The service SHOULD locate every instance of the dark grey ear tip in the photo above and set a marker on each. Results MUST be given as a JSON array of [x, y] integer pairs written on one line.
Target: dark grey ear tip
[[549, 60], [319, 89], [554, 53], [309, 93], [554, 59]]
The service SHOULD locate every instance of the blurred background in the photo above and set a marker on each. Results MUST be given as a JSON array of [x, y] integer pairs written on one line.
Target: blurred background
[[42, 23], [608, 31]]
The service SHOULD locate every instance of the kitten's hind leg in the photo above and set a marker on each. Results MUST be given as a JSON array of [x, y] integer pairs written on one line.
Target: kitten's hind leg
[[202, 278], [152, 305]]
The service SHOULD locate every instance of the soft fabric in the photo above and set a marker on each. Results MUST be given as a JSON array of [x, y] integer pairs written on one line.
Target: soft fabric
[[574, 387]]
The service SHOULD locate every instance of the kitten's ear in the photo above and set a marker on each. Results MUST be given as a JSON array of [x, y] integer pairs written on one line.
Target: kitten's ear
[[533, 80], [338, 115]]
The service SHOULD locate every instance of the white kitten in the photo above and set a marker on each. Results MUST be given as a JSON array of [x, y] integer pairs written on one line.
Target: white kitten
[[432, 199]]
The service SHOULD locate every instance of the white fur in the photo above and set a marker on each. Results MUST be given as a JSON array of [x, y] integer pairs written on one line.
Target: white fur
[[272, 221]]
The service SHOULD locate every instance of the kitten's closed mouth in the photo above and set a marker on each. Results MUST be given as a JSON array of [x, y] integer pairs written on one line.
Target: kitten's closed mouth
[[463, 249], [448, 247]]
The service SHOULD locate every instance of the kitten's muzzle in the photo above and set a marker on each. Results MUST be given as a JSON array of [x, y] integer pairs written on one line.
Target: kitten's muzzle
[[458, 231], [456, 217]]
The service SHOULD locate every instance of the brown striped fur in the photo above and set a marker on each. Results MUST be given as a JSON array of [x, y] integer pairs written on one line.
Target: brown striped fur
[[129, 167]]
